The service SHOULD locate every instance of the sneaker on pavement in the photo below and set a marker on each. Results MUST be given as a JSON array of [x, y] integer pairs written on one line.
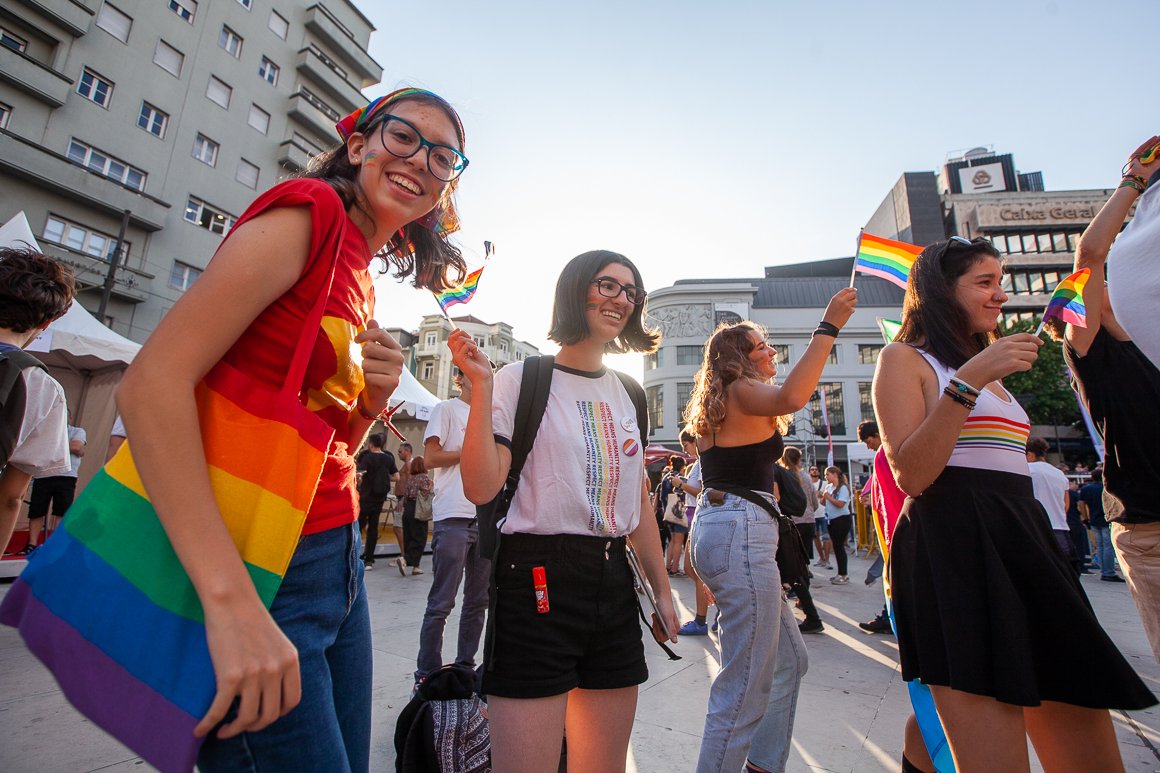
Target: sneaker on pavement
[[879, 624], [811, 626], [840, 579], [368, 566], [693, 628], [1112, 578]]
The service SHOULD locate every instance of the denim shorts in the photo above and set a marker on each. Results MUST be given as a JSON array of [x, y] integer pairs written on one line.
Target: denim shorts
[[590, 637]]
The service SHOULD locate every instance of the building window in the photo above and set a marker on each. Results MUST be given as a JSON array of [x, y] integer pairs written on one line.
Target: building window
[[80, 239], [247, 174], [684, 393], [231, 42], [259, 119], [690, 355], [654, 360], [307, 145], [431, 339], [865, 401], [208, 217], [655, 397], [114, 22], [835, 408], [106, 166], [95, 88], [833, 358], [183, 275], [5, 115], [168, 58], [12, 40], [268, 71], [428, 371], [782, 353], [184, 8], [205, 150], [246, 3], [868, 353], [152, 120], [278, 25], [219, 92]]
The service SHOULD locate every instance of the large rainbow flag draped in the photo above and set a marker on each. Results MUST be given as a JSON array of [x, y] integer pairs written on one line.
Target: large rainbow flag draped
[[461, 294], [885, 258], [1067, 301], [107, 606]]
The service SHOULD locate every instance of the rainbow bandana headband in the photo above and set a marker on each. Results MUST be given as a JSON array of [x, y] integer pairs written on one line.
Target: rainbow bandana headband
[[443, 220]]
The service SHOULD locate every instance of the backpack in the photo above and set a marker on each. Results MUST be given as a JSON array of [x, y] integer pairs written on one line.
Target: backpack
[[535, 385], [442, 729], [423, 500], [792, 501], [13, 396]]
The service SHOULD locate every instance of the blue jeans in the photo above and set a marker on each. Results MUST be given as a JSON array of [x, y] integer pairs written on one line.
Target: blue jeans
[[322, 608], [754, 697], [1105, 551], [456, 558]]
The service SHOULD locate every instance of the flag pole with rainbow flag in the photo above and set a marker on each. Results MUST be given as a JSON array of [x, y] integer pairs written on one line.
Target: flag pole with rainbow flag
[[1067, 301], [885, 258], [464, 292]]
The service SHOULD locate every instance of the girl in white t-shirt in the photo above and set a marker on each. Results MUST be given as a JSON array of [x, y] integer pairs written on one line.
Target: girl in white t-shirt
[[575, 650]]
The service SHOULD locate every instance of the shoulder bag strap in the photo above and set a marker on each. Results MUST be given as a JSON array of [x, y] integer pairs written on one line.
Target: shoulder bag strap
[[535, 386], [305, 346], [636, 392]]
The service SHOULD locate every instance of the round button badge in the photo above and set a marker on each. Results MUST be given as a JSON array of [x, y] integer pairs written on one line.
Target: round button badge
[[631, 447], [629, 423]]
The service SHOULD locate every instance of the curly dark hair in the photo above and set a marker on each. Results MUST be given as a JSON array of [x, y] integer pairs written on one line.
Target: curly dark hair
[[34, 289], [726, 360], [436, 263]]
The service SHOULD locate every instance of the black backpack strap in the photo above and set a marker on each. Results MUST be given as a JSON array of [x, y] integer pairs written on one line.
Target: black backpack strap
[[535, 385]]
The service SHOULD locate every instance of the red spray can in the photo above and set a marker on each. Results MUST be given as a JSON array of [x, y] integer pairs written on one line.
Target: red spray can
[[540, 582]]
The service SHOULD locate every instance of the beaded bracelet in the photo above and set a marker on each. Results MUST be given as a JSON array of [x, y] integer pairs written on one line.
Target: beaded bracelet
[[964, 387], [1129, 182], [826, 329], [958, 398]]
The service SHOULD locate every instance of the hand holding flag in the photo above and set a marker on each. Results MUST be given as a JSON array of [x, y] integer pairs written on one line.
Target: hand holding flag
[[1067, 301]]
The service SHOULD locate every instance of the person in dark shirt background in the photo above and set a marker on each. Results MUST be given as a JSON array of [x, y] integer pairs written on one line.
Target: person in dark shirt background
[[1075, 524], [1091, 506]]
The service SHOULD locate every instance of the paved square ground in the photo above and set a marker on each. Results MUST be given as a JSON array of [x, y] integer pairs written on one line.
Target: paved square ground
[[850, 714]]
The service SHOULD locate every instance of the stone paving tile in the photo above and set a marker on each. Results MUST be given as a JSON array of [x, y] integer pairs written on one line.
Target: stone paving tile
[[850, 712]]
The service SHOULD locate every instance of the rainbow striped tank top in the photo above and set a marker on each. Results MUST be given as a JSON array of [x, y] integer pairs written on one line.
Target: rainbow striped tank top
[[994, 436]]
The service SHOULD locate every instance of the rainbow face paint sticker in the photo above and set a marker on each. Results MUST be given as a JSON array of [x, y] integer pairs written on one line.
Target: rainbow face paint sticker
[[630, 447]]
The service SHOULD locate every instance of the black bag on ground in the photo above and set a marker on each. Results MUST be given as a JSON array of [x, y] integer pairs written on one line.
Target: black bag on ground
[[442, 729]]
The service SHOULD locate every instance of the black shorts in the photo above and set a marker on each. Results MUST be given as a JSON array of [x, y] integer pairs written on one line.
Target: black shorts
[[56, 489], [590, 637]]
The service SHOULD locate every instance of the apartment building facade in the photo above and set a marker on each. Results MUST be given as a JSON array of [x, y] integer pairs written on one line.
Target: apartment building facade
[[136, 133]]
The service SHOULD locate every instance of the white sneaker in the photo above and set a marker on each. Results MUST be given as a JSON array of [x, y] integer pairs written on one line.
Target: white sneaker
[[402, 564], [367, 566], [840, 579]]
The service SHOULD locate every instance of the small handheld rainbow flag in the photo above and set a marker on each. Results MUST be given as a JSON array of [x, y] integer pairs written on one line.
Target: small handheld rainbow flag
[[461, 294], [1067, 301], [884, 258]]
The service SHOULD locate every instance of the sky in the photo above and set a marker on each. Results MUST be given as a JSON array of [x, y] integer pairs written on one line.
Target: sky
[[713, 139]]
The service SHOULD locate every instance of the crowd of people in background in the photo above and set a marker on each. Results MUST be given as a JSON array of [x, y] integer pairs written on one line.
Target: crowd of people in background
[[985, 554]]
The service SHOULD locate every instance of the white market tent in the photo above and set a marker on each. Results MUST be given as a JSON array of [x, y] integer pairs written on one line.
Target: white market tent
[[84, 356]]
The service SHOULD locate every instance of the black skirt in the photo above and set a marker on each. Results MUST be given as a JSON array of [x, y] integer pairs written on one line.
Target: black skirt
[[985, 602]]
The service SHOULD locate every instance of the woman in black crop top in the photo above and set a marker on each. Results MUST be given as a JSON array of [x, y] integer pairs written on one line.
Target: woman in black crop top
[[735, 412]]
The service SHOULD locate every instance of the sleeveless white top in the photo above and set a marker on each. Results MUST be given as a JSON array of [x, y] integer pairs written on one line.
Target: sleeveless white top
[[994, 436]]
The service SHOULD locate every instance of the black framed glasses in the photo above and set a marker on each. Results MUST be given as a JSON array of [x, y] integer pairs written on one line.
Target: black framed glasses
[[402, 140], [610, 288]]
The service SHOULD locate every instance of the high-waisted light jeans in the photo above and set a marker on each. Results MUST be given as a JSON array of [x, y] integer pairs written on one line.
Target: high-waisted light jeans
[[763, 658]]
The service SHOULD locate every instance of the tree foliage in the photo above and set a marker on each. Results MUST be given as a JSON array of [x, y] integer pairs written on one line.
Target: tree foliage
[[1044, 391]]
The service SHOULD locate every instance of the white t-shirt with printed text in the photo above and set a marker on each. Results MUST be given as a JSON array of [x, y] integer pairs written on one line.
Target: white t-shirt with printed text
[[448, 423], [585, 472]]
